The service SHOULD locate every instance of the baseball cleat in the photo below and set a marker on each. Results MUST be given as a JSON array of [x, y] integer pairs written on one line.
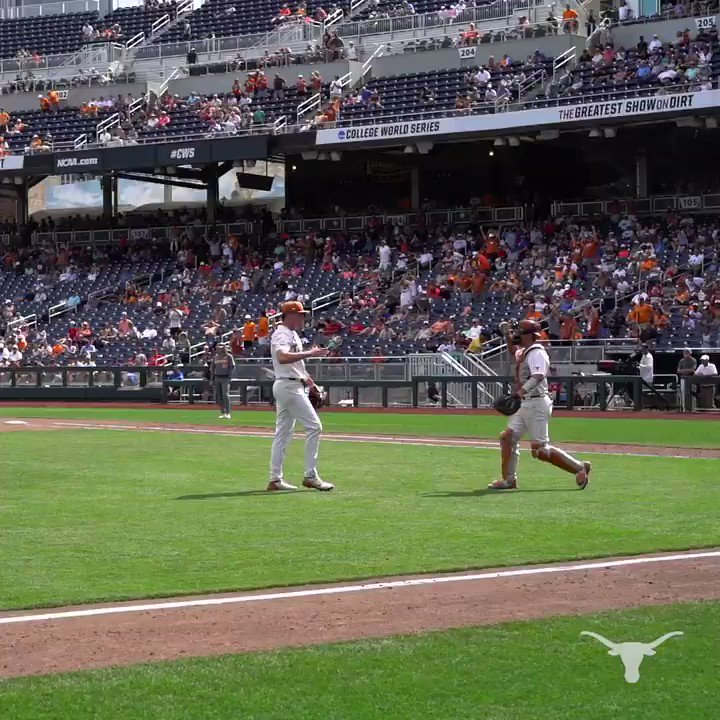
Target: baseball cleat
[[315, 483], [276, 485], [503, 485], [583, 477]]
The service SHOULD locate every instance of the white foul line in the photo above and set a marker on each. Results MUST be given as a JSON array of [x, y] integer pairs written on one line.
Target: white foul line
[[337, 437], [344, 589]]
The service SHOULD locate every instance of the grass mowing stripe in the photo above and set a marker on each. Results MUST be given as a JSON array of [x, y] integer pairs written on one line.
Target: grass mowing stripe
[[136, 515], [613, 430], [515, 671]]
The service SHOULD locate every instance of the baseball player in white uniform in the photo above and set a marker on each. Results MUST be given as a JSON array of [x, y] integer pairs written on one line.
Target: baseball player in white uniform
[[532, 366], [291, 398]]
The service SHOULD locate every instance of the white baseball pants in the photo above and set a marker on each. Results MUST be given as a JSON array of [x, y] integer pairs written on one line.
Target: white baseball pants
[[292, 404], [533, 418]]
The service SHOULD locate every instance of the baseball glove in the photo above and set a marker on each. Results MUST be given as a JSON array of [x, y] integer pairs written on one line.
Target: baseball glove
[[317, 396], [508, 405]]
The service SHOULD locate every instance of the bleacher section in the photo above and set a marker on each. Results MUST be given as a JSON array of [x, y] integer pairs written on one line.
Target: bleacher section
[[48, 34], [134, 20]]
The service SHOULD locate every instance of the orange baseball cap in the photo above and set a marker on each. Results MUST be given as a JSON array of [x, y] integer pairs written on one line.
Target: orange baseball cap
[[293, 306]]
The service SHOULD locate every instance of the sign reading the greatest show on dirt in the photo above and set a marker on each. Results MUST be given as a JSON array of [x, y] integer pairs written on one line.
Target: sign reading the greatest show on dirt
[[514, 120]]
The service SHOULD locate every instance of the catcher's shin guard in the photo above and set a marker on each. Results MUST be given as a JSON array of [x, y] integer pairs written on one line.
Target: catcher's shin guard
[[559, 458], [510, 454]]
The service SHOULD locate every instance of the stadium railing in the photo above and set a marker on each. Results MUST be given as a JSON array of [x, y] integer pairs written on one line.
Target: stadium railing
[[597, 392], [351, 223]]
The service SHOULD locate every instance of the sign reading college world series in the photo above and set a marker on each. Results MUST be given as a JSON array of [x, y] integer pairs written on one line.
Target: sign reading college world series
[[629, 108]]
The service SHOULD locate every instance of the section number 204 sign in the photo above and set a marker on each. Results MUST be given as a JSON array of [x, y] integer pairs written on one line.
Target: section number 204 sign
[[467, 52]]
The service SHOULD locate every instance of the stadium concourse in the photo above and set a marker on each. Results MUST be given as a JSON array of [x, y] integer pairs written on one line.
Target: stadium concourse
[[399, 289]]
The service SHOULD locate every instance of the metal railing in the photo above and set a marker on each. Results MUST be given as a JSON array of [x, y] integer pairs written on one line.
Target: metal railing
[[639, 206], [30, 320], [351, 223], [564, 59], [135, 40]]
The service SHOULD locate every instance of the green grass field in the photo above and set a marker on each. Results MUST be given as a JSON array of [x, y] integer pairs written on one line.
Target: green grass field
[[90, 514], [613, 430], [518, 671]]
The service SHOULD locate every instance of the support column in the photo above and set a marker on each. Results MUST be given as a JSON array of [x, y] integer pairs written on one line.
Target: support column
[[115, 193], [641, 181], [167, 194], [213, 194], [415, 187], [106, 183], [21, 205]]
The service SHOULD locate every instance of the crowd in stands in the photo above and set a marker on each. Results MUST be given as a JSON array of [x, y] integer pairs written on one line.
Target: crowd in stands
[[423, 288], [690, 64]]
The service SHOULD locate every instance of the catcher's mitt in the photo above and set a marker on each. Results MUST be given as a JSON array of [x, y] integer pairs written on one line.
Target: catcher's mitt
[[317, 396], [508, 405]]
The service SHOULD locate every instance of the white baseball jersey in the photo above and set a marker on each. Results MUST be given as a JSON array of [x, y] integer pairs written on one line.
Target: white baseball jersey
[[286, 340], [533, 361]]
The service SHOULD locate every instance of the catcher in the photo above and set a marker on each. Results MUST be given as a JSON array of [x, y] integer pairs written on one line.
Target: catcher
[[296, 398], [530, 410]]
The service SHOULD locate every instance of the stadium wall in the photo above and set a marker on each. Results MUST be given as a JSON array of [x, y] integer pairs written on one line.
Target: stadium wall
[[22, 102], [209, 84], [443, 59], [667, 30]]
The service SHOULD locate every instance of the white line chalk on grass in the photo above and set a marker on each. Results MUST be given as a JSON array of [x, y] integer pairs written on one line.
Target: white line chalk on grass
[[337, 437], [365, 587]]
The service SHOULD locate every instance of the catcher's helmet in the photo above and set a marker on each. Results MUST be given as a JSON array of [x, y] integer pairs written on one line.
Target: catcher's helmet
[[529, 327]]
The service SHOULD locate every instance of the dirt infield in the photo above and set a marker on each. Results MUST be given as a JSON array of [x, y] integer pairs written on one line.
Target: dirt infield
[[306, 616], [67, 639]]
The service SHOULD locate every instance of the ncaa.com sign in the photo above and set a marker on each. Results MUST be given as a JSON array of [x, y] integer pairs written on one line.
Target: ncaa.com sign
[[77, 162]]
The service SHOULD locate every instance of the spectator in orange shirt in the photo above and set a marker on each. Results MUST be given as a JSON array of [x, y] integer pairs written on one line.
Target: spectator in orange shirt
[[641, 317], [568, 328], [249, 333], [263, 329], [54, 100], [570, 20], [4, 121], [44, 103]]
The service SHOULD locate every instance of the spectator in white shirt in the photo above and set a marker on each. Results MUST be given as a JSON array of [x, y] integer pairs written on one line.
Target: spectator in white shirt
[[647, 365], [625, 12], [655, 44], [336, 87], [706, 393], [695, 260], [15, 356], [475, 330], [149, 333], [482, 77], [385, 255]]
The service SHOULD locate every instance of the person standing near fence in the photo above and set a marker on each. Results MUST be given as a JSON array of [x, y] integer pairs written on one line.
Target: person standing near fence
[[221, 368], [706, 393], [686, 368]]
